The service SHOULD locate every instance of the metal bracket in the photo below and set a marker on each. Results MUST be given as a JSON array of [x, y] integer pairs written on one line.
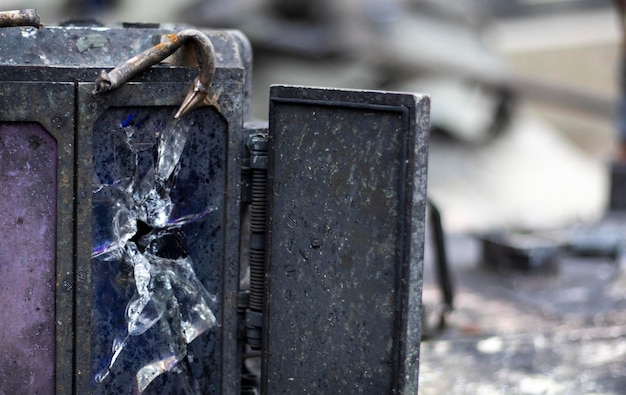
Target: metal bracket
[[198, 93]]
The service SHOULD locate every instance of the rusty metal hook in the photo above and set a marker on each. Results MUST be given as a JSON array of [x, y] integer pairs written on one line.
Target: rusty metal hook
[[198, 93], [28, 17]]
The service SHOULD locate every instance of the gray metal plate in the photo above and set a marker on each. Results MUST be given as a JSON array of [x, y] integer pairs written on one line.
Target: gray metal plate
[[345, 248]]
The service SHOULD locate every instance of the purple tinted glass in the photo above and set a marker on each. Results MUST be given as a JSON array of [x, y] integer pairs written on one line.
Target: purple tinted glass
[[27, 258]]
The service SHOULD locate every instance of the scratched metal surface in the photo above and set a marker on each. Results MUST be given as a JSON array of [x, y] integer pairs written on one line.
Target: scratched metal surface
[[97, 46], [48, 111], [27, 264], [346, 234]]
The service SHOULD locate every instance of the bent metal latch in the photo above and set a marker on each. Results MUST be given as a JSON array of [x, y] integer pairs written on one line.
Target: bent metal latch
[[172, 237], [198, 93]]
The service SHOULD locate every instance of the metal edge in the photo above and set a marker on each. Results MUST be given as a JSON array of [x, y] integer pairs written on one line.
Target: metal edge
[[244, 50], [415, 224], [235, 118]]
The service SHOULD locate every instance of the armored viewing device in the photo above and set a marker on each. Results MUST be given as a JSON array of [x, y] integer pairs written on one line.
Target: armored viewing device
[[155, 240]]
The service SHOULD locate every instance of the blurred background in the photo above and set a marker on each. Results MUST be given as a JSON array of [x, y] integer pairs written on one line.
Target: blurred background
[[523, 136], [523, 91]]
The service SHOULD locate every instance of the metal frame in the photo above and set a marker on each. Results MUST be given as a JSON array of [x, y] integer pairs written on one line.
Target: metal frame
[[90, 108], [47, 105]]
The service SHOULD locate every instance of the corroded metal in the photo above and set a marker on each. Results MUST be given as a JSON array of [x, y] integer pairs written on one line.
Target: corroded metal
[[378, 177], [47, 77], [27, 17], [198, 93], [345, 241], [46, 106]]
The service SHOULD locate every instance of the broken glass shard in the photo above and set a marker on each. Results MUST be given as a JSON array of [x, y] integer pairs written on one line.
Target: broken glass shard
[[149, 372], [147, 219]]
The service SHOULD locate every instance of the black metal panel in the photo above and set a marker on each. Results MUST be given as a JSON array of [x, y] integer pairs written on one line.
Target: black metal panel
[[47, 104], [345, 241]]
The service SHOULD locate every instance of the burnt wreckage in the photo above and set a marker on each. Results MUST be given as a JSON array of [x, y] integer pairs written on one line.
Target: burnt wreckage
[[160, 237]]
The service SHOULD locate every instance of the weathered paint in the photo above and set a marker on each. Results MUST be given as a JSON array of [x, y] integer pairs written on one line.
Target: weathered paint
[[27, 258]]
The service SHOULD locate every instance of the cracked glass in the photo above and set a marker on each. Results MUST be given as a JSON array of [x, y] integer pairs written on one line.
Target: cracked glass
[[157, 240]]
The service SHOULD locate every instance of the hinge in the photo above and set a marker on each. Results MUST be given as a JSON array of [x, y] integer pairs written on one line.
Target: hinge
[[253, 155], [254, 193]]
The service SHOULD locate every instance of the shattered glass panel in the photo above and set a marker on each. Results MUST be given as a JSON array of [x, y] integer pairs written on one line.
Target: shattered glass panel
[[157, 250], [27, 258]]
